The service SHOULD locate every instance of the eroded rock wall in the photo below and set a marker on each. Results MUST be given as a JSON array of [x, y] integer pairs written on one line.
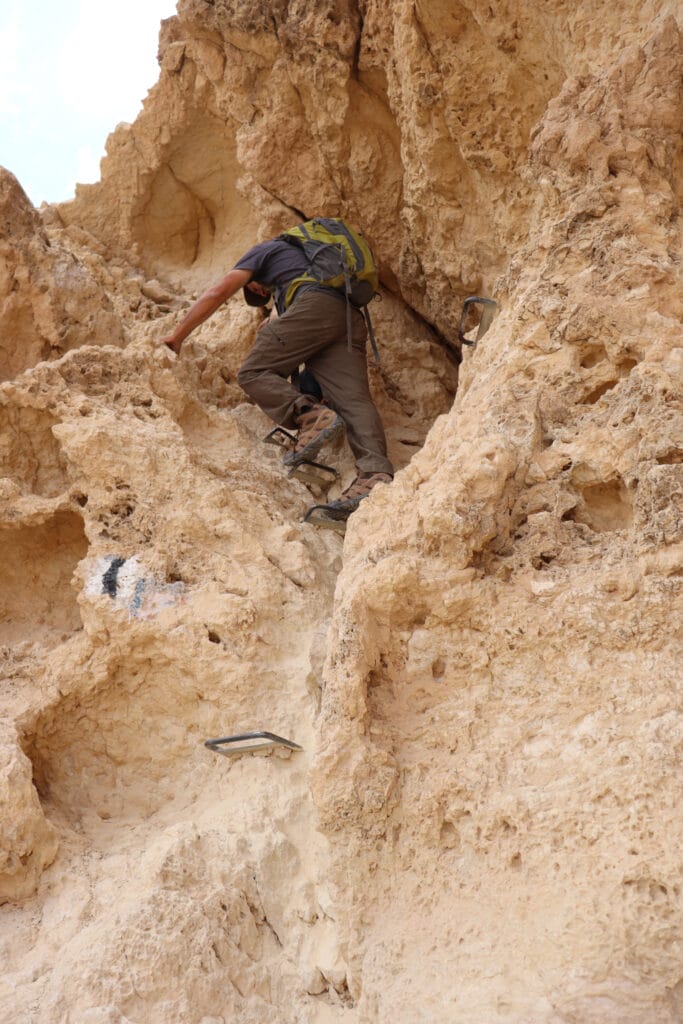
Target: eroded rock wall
[[49, 301], [483, 824]]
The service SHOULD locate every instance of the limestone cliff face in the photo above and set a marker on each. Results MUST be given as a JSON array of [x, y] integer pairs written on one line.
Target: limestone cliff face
[[484, 823], [49, 300]]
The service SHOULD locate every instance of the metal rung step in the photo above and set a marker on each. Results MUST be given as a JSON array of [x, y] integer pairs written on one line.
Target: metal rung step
[[248, 743]]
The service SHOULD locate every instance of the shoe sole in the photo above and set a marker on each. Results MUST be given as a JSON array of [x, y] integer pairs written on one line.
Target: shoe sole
[[319, 515]]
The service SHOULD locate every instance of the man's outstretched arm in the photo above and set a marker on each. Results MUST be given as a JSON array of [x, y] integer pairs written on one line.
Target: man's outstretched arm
[[205, 305]]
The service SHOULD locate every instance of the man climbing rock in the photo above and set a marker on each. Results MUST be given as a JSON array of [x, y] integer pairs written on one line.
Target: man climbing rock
[[311, 329]]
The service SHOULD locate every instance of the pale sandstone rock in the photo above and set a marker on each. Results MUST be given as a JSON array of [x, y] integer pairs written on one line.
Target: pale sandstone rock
[[503, 727], [28, 843], [49, 302], [484, 823]]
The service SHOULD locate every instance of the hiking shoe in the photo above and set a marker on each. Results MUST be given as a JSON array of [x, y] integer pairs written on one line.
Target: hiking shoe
[[317, 426], [349, 500], [334, 514], [363, 484]]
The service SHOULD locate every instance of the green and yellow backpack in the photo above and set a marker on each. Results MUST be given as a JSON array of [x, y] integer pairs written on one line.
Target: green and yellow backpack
[[338, 257]]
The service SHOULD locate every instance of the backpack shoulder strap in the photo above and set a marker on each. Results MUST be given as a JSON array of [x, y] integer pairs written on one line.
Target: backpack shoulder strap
[[371, 333], [292, 239]]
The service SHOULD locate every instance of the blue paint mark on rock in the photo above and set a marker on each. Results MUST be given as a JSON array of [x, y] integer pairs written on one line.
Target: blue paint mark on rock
[[133, 588]]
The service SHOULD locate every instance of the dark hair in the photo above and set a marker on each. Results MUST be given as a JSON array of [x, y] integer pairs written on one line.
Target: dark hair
[[253, 298]]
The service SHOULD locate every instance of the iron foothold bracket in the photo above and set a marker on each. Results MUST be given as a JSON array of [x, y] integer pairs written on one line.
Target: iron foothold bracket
[[280, 437], [314, 473], [487, 316], [247, 743]]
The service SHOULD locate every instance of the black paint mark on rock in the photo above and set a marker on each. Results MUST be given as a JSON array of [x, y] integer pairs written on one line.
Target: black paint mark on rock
[[109, 584]]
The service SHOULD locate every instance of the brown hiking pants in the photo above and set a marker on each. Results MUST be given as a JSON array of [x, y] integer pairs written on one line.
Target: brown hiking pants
[[313, 331]]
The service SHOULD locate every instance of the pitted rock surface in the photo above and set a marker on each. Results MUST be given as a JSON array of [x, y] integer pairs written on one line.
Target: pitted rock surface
[[484, 822]]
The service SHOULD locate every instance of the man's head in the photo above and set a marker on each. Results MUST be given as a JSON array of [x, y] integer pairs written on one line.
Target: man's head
[[256, 294]]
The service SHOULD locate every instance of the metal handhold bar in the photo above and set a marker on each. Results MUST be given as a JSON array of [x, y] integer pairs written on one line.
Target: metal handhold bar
[[271, 740], [487, 315]]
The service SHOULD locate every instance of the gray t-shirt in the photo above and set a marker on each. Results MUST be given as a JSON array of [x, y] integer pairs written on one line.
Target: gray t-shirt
[[274, 264]]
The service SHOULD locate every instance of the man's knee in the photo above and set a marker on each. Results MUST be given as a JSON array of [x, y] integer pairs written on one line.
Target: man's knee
[[249, 376], [245, 376]]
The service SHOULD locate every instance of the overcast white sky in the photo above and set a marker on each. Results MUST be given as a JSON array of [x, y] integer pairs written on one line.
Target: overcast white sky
[[70, 71]]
